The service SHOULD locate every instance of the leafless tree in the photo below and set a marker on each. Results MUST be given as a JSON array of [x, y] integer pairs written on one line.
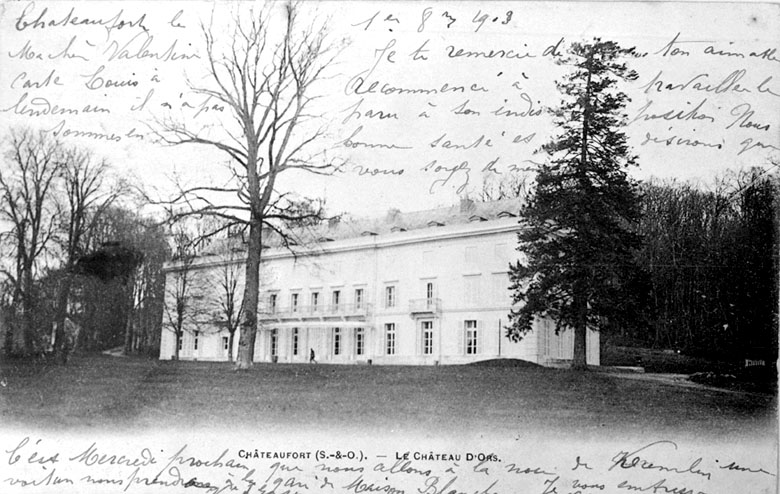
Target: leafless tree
[[509, 186], [183, 287], [227, 286], [28, 216], [265, 78], [86, 196]]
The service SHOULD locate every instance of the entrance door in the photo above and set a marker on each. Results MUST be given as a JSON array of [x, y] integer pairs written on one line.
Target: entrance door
[[426, 337]]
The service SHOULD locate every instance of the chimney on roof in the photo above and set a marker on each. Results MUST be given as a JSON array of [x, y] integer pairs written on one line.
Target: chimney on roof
[[392, 215], [466, 205]]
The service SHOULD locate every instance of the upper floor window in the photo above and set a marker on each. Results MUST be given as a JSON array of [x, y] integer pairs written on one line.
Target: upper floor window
[[501, 291], [272, 303], [358, 298], [390, 296], [335, 300], [315, 301], [501, 252], [294, 302], [471, 293], [471, 254]]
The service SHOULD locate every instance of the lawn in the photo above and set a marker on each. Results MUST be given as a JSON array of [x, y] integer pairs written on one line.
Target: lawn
[[127, 393]]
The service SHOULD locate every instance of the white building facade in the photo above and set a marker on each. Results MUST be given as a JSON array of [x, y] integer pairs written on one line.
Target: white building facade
[[434, 294]]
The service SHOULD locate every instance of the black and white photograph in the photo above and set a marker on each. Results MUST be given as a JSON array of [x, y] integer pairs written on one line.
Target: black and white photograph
[[299, 246]]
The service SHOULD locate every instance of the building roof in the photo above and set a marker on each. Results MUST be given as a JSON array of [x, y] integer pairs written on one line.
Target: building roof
[[393, 222], [396, 221]]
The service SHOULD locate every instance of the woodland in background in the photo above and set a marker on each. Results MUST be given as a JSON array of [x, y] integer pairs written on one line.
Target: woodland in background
[[105, 310], [709, 261]]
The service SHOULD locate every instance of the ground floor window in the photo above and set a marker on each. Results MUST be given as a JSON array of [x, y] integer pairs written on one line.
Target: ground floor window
[[471, 338], [295, 337], [180, 337], [274, 342], [427, 337], [195, 341], [360, 341], [336, 341], [390, 338], [225, 343]]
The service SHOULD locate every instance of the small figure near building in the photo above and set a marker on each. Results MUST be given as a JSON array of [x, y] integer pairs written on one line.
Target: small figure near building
[[312, 360]]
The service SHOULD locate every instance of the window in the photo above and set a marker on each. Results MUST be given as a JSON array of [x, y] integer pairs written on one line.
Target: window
[[274, 342], [336, 341], [294, 302], [315, 301], [335, 300], [429, 290], [501, 288], [390, 296], [471, 254], [360, 341], [471, 290], [195, 341], [181, 340], [471, 338], [295, 337], [501, 251], [390, 338], [225, 343], [427, 337], [358, 298], [272, 303]]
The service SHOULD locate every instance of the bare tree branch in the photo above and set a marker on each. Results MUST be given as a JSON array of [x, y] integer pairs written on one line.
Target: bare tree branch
[[264, 77]]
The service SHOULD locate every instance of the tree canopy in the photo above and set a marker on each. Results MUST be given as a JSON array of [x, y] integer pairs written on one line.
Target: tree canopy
[[576, 240]]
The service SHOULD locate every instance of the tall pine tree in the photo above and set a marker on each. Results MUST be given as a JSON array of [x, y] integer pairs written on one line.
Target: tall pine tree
[[576, 238]]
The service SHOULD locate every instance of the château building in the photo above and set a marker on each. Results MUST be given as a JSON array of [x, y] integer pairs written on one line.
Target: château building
[[422, 288]]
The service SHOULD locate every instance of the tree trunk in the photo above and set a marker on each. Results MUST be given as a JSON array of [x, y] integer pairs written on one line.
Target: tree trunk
[[246, 340], [129, 284], [579, 359], [60, 348], [176, 344], [231, 338], [27, 312]]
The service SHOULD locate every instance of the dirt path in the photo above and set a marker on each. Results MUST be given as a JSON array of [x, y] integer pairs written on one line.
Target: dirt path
[[679, 380]]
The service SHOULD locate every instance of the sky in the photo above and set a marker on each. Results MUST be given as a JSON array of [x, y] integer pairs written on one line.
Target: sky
[[707, 99]]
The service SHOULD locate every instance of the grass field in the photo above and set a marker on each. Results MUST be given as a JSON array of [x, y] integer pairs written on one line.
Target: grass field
[[127, 393]]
